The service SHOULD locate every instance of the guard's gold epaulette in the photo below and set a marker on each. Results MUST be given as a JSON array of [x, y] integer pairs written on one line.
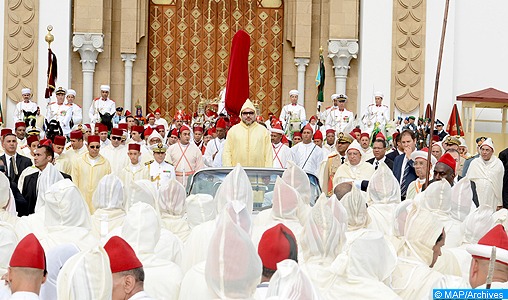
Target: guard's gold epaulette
[[168, 162], [149, 162]]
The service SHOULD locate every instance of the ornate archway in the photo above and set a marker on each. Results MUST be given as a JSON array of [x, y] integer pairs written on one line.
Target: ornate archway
[[188, 51]]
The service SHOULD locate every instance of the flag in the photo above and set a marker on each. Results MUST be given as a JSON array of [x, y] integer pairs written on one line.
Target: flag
[[237, 86], [320, 79], [1, 114], [51, 74], [428, 112], [454, 126]]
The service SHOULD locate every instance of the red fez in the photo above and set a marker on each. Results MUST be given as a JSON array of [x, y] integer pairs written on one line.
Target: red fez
[[29, 254], [352, 134], [395, 135], [198, 128], [150, 115], [45, 142], [19, 124], [297, 134], [357, 130], [318, 135], [184, 128], [364, 134], [138, 128], [94, 139], [158, 110], [496, 237], [134, 146], [308, 127], [330, 131], [123, 126], [5, 131], [59, 140], [32, 138], [312, 118], [102, 127], [76, 134], [448, 159], [435, 138], [274, 246], [121, 255], [117, 131], [148, 131], [174, 132], [380, 136], [284, 139], [221, 123], [160, 127], [128, 113]]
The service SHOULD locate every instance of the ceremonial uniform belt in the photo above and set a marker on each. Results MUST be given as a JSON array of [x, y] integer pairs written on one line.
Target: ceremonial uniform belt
[[177, 173]]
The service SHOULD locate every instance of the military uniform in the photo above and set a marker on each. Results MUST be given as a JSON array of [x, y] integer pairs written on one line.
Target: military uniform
[[337, 119], [101, 106], [376, 114], [62, 113], [160, 173]]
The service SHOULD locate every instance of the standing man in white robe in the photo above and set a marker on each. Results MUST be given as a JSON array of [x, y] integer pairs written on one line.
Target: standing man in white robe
[[487, 172], [306, 154], [135, 170], [185, 156], [376, 113], [26, 105], [211, 158], [116, 152], [101, 105], [355, 167], [293, 110], [281, 153], [159, 120], [366, 149]]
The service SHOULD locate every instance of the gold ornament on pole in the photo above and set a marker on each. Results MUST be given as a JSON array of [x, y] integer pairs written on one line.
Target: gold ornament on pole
[[49, 37]]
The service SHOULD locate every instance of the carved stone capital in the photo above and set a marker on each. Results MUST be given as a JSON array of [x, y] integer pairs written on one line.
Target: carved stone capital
[[89, 45], [301, 64], [128, 58], [341, 51]]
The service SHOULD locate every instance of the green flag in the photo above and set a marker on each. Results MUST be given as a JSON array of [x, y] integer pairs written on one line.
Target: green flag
[[320, 79]]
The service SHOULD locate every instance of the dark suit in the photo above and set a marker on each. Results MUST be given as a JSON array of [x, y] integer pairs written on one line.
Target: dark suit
[[30, 191], [503, 156], [398, 171], [387, 161], [391, 156], [22, 163]]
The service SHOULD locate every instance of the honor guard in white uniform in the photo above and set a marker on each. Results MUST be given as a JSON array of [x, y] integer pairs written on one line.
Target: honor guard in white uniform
[[161, 171], [337, 116], [293, 113], [25, 105], [101, 105], [58, 110], [77, 111], [376, 112]]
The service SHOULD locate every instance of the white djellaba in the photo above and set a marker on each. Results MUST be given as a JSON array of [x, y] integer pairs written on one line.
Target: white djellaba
[[233, 267], [7, 201], [290, 283], [383, 197], [109, 203], [86, 276], [67, 218], [55, 260], [172, 208], [162, 276]]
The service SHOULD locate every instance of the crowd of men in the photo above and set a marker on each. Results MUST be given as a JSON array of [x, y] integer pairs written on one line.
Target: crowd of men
[[100, 210]]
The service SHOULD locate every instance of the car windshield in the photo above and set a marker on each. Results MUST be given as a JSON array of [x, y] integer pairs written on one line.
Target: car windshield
[[262, 181]]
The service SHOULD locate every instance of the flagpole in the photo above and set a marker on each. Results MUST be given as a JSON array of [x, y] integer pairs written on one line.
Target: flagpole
[[436, 87]]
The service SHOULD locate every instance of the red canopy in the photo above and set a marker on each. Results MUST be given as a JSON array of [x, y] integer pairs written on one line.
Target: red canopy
[[486, 95]]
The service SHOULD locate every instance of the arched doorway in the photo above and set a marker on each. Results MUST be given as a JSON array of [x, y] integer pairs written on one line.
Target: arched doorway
[[188, 51]]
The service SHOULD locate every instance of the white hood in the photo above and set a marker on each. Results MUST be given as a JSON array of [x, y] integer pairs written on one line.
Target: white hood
[[48, 177], [356, 207], [477, 224], [8, 242], [86, 275], [65, 206], [436, 198], [290, 283], [172, 198], [383, 186], [109, 193], [236, 186], [233, 267], [285, 201], [297, 178], [461, 199], [140, 220], [200, 208], [143, 191]]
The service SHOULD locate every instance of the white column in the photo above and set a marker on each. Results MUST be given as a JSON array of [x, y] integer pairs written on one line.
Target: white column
[[129, 59], [301, 64], [89, 45], [341, 51]]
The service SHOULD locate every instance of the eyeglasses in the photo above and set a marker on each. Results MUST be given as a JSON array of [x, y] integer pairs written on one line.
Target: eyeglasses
[[116, 138], [247, 113], [342, 101], [94, 147]]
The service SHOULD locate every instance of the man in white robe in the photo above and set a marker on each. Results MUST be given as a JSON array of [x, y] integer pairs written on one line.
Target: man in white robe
[[420, 163], [185, 156], [366, 149], [211, 158], [281, 153], [159, 120], [293, 111], [116, 152], [77, 146], [135, 170], [101, 105], [26, 105], [306, 154], [487, 172], [355, 167]]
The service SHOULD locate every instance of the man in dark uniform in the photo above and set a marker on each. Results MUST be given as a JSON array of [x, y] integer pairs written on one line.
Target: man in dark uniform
[[13, 162]]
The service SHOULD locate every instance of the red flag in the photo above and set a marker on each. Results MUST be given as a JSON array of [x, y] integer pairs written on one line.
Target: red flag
[[454, 126], [428, 112], [52, 74], [237, 86]]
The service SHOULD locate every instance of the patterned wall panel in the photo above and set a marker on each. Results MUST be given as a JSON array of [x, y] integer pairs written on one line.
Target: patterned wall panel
[[189, 44], [21, 26], [408, 63]]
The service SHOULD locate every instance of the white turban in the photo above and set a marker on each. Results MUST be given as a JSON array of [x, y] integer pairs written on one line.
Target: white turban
[[71, 92], [105, 88], [26, 91], [294, 92]]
